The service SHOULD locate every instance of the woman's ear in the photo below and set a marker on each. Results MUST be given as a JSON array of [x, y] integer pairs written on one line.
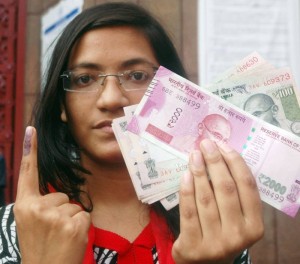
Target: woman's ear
[[63, 115]]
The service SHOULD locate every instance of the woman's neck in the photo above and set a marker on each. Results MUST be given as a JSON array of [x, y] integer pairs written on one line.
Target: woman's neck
[[109, 182], [115, 204]]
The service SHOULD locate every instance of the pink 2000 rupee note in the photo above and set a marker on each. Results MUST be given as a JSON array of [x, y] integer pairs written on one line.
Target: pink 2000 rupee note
[[176, 114]]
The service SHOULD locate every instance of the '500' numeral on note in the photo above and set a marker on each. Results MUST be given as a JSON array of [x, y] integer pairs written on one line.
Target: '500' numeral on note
[[175, 117]]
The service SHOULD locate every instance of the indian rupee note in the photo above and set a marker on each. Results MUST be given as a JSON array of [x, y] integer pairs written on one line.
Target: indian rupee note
[[176, 114], [147, 193], [271, 96]]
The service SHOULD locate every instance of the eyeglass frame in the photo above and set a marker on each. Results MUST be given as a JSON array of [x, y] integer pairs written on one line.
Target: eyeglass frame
[[66, 74]]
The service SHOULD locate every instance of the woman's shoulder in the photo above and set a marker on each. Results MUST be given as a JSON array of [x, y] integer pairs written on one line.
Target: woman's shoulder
[[9, 249]]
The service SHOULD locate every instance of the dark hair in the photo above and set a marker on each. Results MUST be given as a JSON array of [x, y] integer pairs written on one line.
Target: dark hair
[[58, 160]]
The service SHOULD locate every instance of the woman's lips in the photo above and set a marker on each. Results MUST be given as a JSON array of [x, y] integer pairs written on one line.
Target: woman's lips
[[107, 129], [104, 126]]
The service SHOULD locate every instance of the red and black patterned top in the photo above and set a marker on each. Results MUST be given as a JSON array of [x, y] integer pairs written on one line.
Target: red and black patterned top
[[152, 246]]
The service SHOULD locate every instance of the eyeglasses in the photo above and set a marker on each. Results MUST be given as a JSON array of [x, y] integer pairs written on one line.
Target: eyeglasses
[[83, 80]]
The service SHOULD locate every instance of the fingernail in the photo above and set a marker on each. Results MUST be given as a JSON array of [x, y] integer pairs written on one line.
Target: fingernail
[[225, 147], [208, 145], [197, 159], [27, 140]]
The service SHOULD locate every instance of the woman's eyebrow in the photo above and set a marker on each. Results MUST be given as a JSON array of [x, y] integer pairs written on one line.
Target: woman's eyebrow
[[125, 64], [86, 65], [137, 61]]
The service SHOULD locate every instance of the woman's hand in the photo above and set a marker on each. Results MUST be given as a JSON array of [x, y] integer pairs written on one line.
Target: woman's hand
[[220, 217], [50, 229]]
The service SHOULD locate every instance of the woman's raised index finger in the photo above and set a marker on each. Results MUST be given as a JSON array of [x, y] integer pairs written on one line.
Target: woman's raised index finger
[[28, 183]]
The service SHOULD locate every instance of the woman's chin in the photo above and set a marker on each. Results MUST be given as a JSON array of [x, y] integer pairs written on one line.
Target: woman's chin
[[113, 155]]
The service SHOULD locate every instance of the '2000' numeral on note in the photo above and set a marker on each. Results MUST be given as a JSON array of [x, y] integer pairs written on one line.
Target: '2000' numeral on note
[[175, 117]]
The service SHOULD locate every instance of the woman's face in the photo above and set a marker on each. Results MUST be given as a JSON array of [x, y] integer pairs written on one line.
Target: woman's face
[[89, 115]]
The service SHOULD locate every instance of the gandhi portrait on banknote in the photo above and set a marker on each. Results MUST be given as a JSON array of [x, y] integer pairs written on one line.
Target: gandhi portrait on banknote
[[215, 127], [262, 106]]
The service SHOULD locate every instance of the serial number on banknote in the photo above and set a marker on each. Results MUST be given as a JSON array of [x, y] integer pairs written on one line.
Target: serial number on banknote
[[248, 64], [274, 196], [182, 98], [280, 78], [188, 101]]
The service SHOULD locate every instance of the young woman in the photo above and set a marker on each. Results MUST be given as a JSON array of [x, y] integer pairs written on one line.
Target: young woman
[[75, 200]]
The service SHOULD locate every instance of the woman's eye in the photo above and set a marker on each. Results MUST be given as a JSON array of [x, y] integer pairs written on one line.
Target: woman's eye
[[83, 80], [138, 76]]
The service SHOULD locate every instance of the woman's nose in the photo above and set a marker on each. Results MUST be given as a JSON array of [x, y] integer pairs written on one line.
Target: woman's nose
[[112, 96]]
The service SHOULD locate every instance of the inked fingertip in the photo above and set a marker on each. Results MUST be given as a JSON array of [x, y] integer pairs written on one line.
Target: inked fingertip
[[27, 140]]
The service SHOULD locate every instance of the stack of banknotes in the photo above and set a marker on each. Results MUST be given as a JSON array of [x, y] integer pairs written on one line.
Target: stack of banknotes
[[253, 106]]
